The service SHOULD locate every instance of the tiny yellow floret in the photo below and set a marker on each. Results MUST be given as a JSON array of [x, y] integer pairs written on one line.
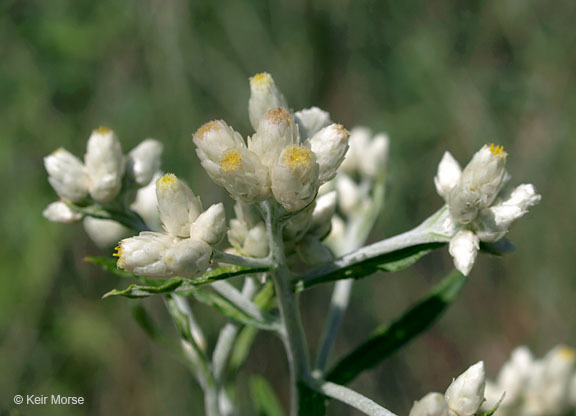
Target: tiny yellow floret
[[497, 150], [297, 156], [231, 161], [277, 115], [340, 129], [567, 353], [121, 261], [261, 80], [103, 130], [206, 128], [167, 181]]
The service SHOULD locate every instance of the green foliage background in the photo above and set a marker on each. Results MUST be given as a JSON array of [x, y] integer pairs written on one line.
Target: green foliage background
[[436, 75]]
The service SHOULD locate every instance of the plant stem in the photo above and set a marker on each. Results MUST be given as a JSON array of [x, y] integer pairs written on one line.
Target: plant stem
[[352, 398], [227, 258], [292, 330]]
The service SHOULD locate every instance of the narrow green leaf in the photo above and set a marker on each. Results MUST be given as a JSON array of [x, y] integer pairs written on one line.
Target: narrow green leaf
[[389, 338], [310, 402], [139, 291], [185, 287], [389, 262], [264, 397], [232, 311]]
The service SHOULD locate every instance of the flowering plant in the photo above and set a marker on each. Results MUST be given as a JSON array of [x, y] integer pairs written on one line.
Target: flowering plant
[[307, 194]]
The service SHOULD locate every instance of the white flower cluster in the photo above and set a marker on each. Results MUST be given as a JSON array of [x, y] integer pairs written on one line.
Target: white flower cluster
[[365, 163], [480, 208], [184, 249], [288, 157], [535, 387], [100, 179], [462, 398]]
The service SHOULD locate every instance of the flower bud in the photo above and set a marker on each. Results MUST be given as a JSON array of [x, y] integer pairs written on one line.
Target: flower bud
[[146, 205], [448, 175], [105, 164], [322, 215], [433, 404], [144, 161], [256, 242], [213, 139], [375, 156], [60, 212], [464, 248], [264, 96], [479, 184], [243, 176], [67, 175], [311, 121], [295, 178], [466, 393], [349, 198], [275, 131], [188, 258], [210, 226], [548, 389], [514, 374], [177, 204], [105, 233], [329, 146], [144, 254]]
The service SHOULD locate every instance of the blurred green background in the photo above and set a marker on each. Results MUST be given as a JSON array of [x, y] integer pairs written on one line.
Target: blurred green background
[[435, 75]]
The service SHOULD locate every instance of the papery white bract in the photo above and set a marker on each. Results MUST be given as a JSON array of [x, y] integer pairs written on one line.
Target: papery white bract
[[177, 204], [67, 175], [105, 164], [329, 146], [264, 96], [143, 162], [295, 178], [311, 121], [448, 175], [464, 249], [60, 212], [276, 131], [210, 226], [433, 404], [244, 176], [188, 258], [144, 254], [466, 394]]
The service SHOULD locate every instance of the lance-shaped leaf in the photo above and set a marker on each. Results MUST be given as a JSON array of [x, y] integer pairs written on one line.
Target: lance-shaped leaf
[[385, 255], [177, 285], [387, 339]]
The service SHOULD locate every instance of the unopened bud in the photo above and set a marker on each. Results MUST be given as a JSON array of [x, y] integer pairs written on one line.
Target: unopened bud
[[67, 175], [329, 146], [466, 394], [177, 204], [264, 96]]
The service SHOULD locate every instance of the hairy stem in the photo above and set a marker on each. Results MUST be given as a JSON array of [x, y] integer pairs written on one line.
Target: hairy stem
[[292, 330]]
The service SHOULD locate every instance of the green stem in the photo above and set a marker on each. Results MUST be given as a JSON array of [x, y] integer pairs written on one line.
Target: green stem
[[292, 330]]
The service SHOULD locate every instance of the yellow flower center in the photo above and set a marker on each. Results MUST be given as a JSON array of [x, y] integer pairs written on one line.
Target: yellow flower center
[[103, 130], [231, 160], [261, 80], [121, 262], [497, 150], [167, 181], [567, 353], [277, 115], [296, 156], [206, 128]]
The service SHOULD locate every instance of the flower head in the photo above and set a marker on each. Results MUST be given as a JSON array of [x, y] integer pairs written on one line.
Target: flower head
[[479, 207]]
